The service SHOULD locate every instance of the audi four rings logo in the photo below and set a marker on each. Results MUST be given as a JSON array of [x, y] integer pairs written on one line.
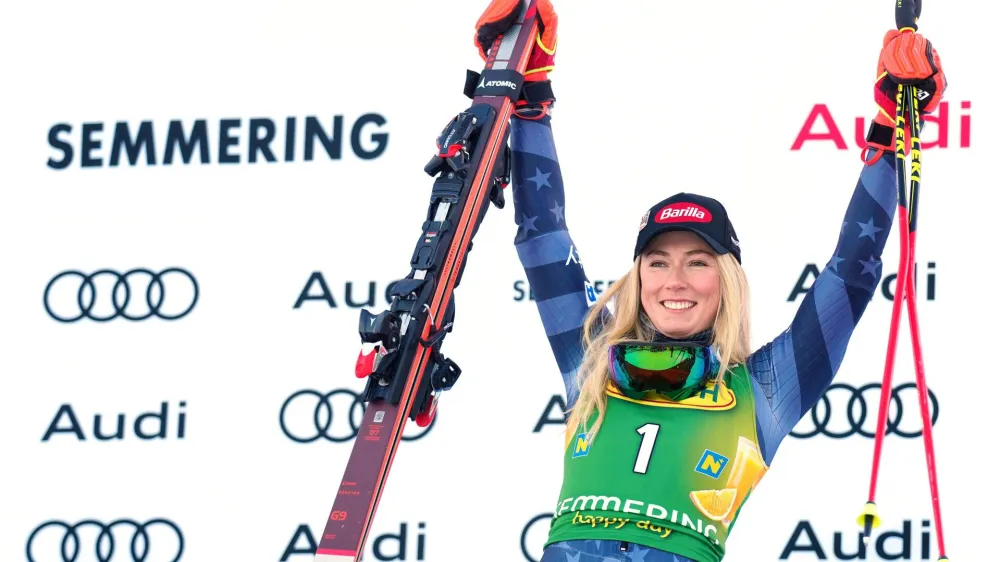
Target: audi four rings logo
[[860, 405], [309, 415], [156, 537], [106, 294]]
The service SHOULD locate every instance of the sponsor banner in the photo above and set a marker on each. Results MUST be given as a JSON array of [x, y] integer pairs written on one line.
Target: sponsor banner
[[226, 141]]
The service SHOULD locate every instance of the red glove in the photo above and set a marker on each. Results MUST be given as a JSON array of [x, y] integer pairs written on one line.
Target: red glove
[[906, 58], [499, 16]]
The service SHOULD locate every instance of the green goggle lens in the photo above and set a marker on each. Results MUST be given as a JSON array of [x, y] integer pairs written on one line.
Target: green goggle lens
[[674, 372], [656, 360]]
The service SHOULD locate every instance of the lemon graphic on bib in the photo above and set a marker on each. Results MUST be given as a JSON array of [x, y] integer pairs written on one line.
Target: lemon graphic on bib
[[748, 468], [714, 504]]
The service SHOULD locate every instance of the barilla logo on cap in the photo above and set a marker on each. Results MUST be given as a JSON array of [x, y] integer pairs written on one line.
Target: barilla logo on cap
[[683, 212]]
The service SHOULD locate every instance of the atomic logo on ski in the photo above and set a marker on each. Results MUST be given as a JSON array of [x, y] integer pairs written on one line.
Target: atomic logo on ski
[[500, 82]]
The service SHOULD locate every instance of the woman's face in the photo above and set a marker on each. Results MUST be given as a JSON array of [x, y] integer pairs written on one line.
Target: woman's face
[[679, 284]]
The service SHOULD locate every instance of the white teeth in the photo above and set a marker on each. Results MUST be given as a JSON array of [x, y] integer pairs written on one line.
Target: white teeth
[[674, 305]]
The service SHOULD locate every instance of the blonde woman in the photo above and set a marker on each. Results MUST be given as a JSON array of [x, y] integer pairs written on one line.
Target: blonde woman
[[674, 419]]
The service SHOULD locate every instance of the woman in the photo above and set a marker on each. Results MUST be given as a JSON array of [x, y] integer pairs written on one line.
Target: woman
[[644, 359]]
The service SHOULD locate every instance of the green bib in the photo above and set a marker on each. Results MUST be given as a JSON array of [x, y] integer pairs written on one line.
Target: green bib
[[668, 475]]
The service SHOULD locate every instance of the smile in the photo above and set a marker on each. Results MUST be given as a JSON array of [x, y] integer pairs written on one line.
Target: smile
[[677, 305]]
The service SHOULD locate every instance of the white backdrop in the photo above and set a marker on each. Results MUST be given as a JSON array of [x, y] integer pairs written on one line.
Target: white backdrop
[[719, 94]]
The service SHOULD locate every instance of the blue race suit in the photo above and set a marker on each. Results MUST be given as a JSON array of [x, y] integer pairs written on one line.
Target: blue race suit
[[789, 374]]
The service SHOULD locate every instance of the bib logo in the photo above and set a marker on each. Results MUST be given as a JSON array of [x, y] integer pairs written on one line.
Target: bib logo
[[683, 212], [711, 464], [582, 447]]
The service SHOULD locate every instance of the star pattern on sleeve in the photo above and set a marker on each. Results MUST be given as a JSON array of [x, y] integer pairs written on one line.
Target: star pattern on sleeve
[[528, 223], [558, 211], [539, 211], [541, 180], [864, 230], [869, 266], [834, 263], [869, 229]]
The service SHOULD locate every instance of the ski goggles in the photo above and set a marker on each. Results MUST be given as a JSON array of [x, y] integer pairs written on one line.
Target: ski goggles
[[673, 371]]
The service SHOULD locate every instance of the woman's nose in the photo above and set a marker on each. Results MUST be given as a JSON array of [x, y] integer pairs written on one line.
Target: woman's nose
[[675, 279]]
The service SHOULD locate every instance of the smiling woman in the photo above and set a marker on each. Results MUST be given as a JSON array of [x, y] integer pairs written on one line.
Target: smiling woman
[[673, 418], [679, 280], [679, 314], [678, 273]]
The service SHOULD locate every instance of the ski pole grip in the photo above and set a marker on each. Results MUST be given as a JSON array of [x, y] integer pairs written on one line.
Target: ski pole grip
[[907, 14]]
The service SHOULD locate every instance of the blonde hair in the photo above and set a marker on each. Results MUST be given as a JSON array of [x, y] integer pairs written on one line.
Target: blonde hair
[[731, 335]]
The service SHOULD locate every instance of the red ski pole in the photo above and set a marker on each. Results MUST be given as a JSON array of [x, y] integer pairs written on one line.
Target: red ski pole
[[907, 13], [911, 308], [869, 517]]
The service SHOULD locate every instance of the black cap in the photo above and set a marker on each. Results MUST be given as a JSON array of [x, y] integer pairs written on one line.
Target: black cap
[[695, 213]]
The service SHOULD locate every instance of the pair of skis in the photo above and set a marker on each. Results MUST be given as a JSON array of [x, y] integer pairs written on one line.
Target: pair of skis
[[401, 347], [907, 14]]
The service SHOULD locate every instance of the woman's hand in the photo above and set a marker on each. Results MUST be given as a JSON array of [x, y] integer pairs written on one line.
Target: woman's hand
[[908, 58], [536, 94], [498, 18]]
